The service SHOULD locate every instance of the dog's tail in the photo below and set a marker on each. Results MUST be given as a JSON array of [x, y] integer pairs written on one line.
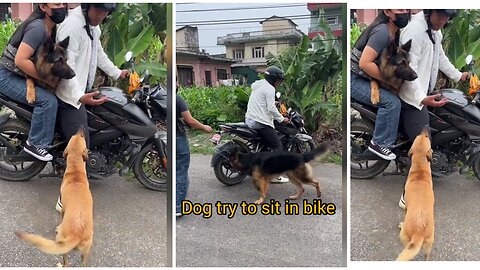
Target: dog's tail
[[321, 149], [46, 245], [412, 250]]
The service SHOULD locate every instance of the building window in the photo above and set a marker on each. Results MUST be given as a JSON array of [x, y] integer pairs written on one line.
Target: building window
[[238, 54], [221, 74], [332, 20], [258, 52], [185, 76]]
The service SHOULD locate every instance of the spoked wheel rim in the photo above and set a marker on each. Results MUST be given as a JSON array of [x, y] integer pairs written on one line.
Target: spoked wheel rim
[[152, 167]]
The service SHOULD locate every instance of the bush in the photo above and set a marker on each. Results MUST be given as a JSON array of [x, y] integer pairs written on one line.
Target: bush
[[215, 105], [7, 29]]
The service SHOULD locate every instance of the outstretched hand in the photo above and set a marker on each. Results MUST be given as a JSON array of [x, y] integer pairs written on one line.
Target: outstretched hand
[[88, 99], [432, 101]]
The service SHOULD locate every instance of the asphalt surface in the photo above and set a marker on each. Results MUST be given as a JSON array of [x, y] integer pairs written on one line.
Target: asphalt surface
[[375, 216], [130, 223], [259, 240]]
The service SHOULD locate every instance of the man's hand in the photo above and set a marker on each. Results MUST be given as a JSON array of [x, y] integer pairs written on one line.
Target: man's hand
[[125, 73], [88, 99], [286, 120], [432, 102], [207, 128], [465, 76]]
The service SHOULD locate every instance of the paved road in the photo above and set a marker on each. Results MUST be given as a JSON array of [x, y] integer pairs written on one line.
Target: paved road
[[375, 216], [130, 223], [259, 240]]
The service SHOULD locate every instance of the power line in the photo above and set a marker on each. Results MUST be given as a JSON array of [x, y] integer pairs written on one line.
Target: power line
[[256, 44], [243, 8], [245, 20], [246, 27]]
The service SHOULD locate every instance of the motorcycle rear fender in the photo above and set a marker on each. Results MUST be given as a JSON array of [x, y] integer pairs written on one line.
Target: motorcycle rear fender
[[364, 111], [226, 150]]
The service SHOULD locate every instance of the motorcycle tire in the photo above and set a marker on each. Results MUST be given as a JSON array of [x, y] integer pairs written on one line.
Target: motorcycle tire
[[305, 147], [16, 132], [476, 168], [222, 167], [147, 161], [360, 135]]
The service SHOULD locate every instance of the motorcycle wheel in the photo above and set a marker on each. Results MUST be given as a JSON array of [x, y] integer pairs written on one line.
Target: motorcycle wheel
[[360, 135], [302, 147], [148, 169], [226, 174], [16, 133], [476, 167]]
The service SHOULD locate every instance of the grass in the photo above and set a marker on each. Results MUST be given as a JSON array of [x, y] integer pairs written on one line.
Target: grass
[[200, 144]]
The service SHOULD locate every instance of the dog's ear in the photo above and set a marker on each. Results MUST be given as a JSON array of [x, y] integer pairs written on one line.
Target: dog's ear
[[85, 154], [429, 155], [391, 49], [406, 47], [410, 153], [64, 43]]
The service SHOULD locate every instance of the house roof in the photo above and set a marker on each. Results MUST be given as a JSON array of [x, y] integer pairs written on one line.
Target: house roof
[[278, 18], [203, 56], [186, 26]]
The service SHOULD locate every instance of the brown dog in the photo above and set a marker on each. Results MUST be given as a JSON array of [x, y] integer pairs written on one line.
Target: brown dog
[[417, 230], [395, 69], [265, 166], [76, 229]]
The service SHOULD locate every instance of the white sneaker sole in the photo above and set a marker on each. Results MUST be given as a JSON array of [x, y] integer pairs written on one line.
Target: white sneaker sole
[[59, 206], [382, 156], [46, 158]]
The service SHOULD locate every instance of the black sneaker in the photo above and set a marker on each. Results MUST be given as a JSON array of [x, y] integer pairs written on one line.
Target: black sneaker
[[37, 152], [382, 152]]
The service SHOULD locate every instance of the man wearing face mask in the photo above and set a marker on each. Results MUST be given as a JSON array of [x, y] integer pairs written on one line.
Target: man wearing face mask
[[85, 54], [426, 58], [16, 62], [384, 30]]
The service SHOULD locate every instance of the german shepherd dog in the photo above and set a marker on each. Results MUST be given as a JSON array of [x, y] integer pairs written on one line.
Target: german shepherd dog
[[395, 69], [51, 64], [265, 166]]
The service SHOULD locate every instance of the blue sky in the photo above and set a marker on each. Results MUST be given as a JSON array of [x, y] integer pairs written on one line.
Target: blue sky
[[208, 33]]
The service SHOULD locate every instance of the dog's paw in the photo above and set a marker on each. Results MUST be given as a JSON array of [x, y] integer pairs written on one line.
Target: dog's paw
[[60, 265], [30, 97], [375, 99], [259, 201]]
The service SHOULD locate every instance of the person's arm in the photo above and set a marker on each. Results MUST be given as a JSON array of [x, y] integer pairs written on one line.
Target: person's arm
[[194, 123], [24, 62], [448, 68], [367, 63], [377, 41], [105, 64]]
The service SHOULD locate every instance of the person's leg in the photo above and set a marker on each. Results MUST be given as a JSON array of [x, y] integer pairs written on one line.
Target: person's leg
[[413, 120], [270, 138], [71, 119], [44, 112], [183, 163]]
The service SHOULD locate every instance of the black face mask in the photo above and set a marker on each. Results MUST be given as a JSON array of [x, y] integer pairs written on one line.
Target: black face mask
[[58, 15], [401, 20]]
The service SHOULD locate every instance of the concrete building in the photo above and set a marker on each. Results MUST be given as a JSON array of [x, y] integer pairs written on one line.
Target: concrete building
[[333, 16], [251, 48], [195, 67]]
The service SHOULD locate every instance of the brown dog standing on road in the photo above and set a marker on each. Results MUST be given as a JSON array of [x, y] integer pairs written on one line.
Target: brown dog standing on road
[[76, 229], [417, 230]]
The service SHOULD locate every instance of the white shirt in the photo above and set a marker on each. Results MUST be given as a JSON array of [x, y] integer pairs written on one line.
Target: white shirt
[[421, 60], [79, 51], [261, 104]]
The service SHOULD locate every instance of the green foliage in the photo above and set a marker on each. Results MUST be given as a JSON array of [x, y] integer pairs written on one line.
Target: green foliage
[[139, 28], [215, 105], [311, 76], [7, 28], [355, 33]]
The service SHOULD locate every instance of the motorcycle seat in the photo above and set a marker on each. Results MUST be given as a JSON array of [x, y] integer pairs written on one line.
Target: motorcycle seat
[[7, 101], [237, 125]]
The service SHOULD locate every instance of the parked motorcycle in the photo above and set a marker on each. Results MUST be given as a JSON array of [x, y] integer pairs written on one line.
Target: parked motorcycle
[[455, 136], [120, 133], [293, 136]]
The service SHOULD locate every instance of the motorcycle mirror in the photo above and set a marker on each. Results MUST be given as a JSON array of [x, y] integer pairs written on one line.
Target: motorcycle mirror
[[128, 56], [469, 59], [278, 95]]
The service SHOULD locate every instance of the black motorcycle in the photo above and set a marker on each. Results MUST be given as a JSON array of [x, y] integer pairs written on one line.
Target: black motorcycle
[[120, 133], [293, 136], [455, 137]]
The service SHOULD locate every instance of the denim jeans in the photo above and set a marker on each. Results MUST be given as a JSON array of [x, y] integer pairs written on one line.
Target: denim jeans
[[388, 115], [183, 163], [44, 108]]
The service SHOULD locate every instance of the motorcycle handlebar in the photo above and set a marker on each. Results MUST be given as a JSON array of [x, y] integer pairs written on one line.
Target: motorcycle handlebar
[[136, 96]]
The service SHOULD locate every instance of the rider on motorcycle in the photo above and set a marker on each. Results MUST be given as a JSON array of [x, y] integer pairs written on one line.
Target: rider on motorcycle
[[426, 58], [85, 54], [261, 110]]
